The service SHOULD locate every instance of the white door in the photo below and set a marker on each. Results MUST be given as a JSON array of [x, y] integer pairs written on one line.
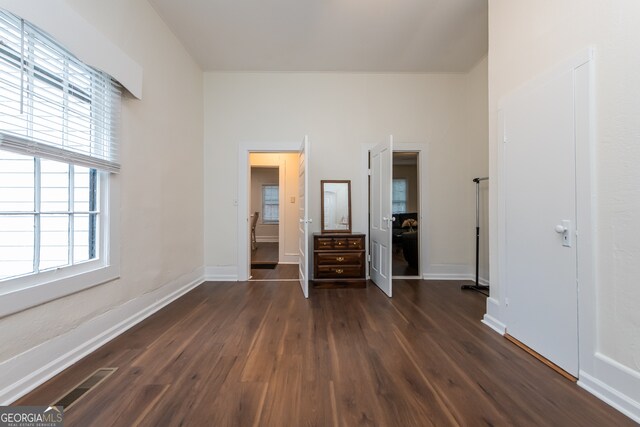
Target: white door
[[540, 215], [380, 210], [304, 220]]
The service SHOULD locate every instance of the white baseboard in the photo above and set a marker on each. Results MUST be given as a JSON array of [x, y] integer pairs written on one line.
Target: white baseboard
[[228, 273], [447, 272], [454, 276], [491, 316], [615, 384], [26, 371], [494, 324], [267, 239], [445, 276]]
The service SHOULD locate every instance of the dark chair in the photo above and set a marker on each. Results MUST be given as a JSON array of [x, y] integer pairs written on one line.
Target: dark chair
[[397, 230], [254, 221], [410, 248]]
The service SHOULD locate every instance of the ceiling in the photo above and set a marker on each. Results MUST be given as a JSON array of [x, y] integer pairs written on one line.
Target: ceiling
[[330, 35]]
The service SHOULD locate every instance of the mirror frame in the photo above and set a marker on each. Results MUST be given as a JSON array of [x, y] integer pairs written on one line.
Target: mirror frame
[[334, 181]]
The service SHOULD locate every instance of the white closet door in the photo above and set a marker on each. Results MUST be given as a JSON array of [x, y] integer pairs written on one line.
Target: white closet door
[[540, 215]]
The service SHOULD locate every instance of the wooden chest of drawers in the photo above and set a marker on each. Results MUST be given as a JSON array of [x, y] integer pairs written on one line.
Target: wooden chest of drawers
[[339, 260]]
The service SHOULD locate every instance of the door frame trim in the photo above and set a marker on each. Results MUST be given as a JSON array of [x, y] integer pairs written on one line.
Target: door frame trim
[[583, 66], [243, 202]]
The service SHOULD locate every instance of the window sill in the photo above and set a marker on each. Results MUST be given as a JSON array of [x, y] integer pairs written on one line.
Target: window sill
[[21, 293]]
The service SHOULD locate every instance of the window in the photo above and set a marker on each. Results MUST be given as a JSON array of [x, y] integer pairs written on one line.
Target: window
[[270, 204], [58, 121], [49, 214], [399, 204]]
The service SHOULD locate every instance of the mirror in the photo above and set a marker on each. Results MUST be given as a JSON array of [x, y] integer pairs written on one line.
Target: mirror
[[336, 206]]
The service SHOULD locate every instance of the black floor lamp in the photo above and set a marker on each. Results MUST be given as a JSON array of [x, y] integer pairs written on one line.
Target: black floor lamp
[[483, 289]]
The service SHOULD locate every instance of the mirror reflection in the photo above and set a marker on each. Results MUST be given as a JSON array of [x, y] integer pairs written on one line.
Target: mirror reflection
[[336, 206]]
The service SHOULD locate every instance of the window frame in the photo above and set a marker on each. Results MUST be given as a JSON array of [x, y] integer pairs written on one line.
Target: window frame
[[23, 292], [406, 194], [277, 204]]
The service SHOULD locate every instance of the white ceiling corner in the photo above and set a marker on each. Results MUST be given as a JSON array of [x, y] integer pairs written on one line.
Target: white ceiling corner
[[330, 35]]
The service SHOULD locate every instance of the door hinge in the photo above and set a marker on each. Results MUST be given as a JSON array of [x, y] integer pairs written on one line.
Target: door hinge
[[506, 302], [369, 258], [369, 172]]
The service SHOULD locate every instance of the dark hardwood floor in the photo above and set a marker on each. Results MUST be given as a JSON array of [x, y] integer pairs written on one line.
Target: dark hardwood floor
[[265, 252], [259, 354], [281, 272]]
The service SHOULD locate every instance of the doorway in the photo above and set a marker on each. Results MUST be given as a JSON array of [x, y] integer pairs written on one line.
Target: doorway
[[379, 169], [265, 217], [301, 151], [405, 210], [273, 216]]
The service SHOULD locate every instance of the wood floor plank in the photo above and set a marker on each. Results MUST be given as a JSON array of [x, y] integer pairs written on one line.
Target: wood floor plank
[[259, 354]]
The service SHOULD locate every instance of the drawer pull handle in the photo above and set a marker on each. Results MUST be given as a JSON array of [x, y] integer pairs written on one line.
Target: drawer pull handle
[[339, 271], [340, 259]]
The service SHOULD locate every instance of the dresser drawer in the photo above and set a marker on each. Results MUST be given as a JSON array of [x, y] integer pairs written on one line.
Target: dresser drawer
[[339, 243], [357, 243], [341, 258], [324, 243], [325, 272]]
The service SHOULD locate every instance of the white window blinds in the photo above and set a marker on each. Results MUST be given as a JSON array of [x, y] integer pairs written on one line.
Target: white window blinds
[[399, 202], [52, 105], [270, 204]]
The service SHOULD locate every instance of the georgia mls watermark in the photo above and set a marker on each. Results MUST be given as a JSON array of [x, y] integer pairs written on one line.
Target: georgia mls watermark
[[31, 416]]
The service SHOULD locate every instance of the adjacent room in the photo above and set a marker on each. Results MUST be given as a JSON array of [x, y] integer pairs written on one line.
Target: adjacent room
[[285, 213]]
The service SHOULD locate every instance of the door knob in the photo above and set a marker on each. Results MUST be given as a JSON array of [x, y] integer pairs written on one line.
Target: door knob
[[563, 229]]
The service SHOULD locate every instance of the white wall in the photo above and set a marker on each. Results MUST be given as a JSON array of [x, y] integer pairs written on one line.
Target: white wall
[[525, 39], [161, 207], [340, 112]]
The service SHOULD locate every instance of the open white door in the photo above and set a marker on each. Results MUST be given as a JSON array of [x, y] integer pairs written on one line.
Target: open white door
[[381, 219], [303, 206]]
